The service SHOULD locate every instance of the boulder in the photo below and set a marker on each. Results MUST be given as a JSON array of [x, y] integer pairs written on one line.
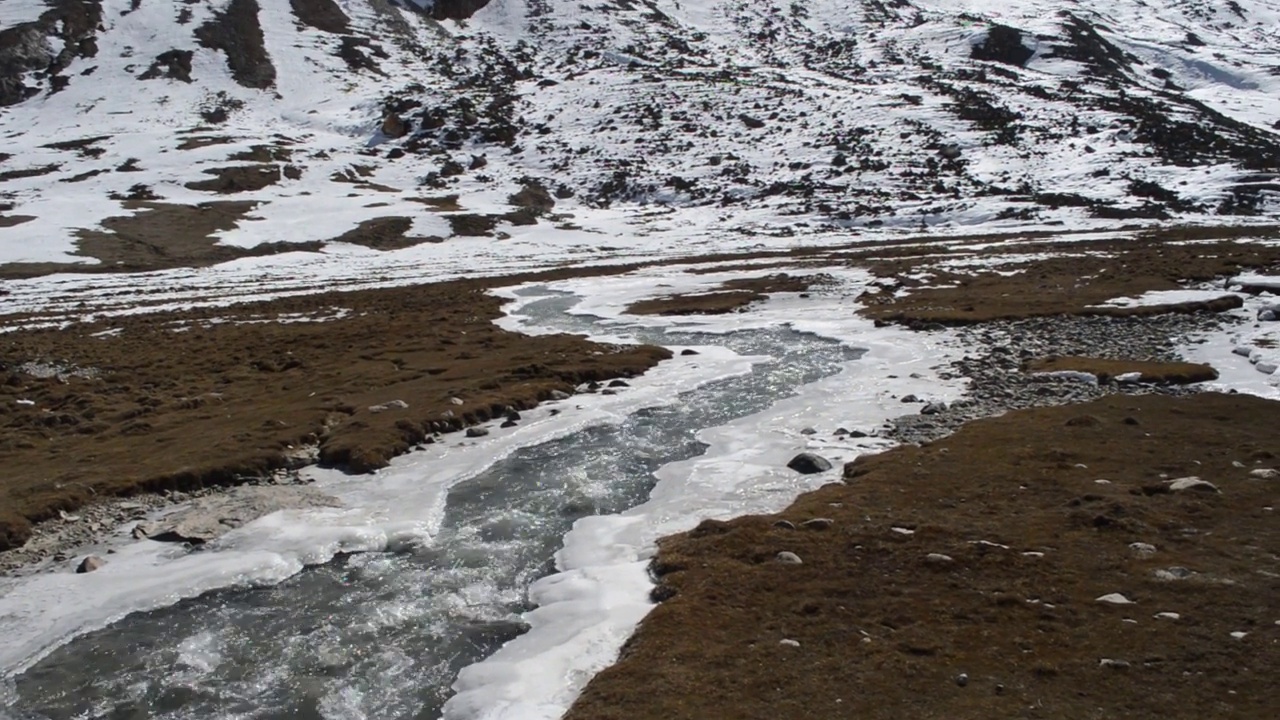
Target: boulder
[[211, 517], [89, 564], [809, 463]]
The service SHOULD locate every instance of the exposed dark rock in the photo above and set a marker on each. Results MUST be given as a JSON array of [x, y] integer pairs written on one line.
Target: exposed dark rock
[[1003, 44], [323, 15], [174, 64], [809, 463], [456, 9], [237, 33]]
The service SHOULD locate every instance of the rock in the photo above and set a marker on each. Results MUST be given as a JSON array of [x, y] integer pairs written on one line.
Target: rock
[[559, 395], [962, 679], [211, 517], [1242, 350], [1114, 599], [938, 559], [910, 399], [509, 424], [1114, 664], [1173, 573], [391, 405], [1264, 473], [809, 463], [455, 401], [1192, 483], [1167, 616], [784, 524], [809, 431], [1265, 368], [89, 564], [533, 196], [456, 9], [394, 126], [751, 122], [688, 351], [817, 523], [933, 408], [788, 558], [1269, 313], [857, 434], [475, 432], [789, 642], [950, 152], [1142, 548], [840, 432], [1239, 634], [619, 383], [513, 414]]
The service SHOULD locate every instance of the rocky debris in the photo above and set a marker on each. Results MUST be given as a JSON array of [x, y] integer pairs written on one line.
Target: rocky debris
[[394, 126], [1114, 664], [476, 432], [533, 196], [235, 31], [962, 680], [323, 15], [211, 517], [809, 463], [817, 523], [1264, 473], [89, 564], [787, 557], [689, 351], [784, 524], [752, 122], [174, 65], [1173, 573], [938, 559], [560, 395], [1142, 548], [933, 408], [1114, 599], [788, 642]]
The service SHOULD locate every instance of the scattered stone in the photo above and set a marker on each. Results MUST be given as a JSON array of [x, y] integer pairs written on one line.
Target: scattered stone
[[809, 463], [1265, 368], [559, 395], [817, 523], [1114, 664], [840, 432], [475, 432], [788, 558], [89, 564], [509, 424], [1142, 548], [857, 434], [688, 351], [962, 679], [809, 431], [619, 384], [938, 559], [1114, 599], [1239, 634], [1192, 483], [455, 401], [1264, 473], [391, 405], [1167, 616], [1242, 350], [784, 524], [910, 399], [751, 122], [789, 642], [211, 517], [933, 408]]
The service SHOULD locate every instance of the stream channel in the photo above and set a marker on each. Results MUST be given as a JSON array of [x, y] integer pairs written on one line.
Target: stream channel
[[381, 634]]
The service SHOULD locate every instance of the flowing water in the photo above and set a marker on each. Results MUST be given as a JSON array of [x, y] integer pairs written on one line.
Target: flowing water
[[383, 635]]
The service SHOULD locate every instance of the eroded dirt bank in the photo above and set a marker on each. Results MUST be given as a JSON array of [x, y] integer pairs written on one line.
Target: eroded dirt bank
[[187, 399], [963, 579]]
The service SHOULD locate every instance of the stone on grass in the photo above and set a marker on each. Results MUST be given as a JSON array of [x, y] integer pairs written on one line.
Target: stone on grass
[[1114, 599], [809, 463], [789, 642], [1192, 483], [1113, 664], [389, 405], [933, 408], [817, 523], [787, 557], [938, 559], [784, 524], [1264, 473], [1142, 548]]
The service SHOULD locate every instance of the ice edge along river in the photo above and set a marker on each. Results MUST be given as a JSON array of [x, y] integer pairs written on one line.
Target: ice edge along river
[[587, 609]]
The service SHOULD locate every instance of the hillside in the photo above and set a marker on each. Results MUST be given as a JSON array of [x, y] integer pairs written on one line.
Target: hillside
[[140, 134]]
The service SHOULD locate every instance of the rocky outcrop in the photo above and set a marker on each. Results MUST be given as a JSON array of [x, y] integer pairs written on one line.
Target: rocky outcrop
[[237, 33], [456, 9], [26, 48], [1003, 44], [212, 517]]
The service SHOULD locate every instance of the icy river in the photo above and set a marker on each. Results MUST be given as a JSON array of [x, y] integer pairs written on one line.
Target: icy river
[[476, 578]]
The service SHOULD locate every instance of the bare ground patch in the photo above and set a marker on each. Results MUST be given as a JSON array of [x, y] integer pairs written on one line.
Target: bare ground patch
[[983, 602], [732, 295], [243, 178], [385, 233]]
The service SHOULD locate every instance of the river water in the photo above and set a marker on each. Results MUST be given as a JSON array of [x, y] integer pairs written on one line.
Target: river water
[[384, 634]]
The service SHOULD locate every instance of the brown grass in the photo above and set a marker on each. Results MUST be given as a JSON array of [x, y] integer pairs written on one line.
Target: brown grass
[[732, 295], [884, 632]]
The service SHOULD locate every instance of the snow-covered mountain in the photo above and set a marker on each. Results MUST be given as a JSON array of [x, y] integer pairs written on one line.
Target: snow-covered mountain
[[294, 122]]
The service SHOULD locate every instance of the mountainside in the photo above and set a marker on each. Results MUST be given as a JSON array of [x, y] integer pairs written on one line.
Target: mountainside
[[146, 134]]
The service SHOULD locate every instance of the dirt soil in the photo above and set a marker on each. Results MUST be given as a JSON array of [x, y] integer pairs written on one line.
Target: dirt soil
[[729, 297], [216, 396], [1106, 369], [983, 602]]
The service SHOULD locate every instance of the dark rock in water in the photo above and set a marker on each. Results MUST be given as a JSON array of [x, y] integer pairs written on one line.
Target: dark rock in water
[[809, 463], [513, 415], [857, 434], [933, 408], [509, 424], [809, 431], [618, 383], [475, 432], [687, 351], [948, 152], [89, 564], [1003, 44], [910, 399]]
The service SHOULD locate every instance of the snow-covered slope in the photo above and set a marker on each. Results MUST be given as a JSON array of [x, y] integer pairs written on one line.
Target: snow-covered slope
[[337, 119]]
